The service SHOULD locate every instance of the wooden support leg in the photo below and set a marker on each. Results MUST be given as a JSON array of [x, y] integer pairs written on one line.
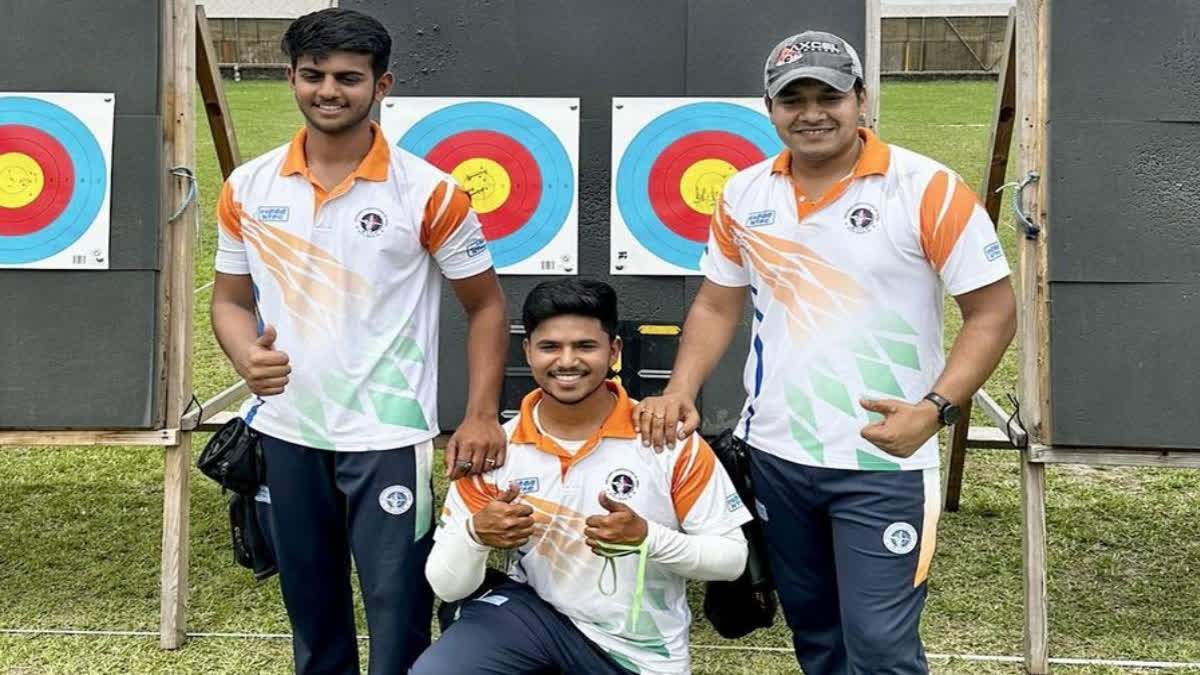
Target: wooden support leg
[[1033, 517], [952, 482], [173, 624]]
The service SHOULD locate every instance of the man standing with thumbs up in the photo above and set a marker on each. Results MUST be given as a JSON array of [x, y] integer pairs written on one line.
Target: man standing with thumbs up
[[601, 532], [339, 242], [845, 246]]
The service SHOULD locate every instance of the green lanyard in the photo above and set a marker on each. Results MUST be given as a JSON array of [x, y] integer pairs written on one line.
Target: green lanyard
[[610, 553]]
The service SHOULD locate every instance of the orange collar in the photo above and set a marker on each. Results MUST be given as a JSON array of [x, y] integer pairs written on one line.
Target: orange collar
[[618, 424], [374, 165], [873, 160]]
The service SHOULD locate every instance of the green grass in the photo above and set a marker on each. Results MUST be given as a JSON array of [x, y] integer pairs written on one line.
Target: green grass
[[80, 527]]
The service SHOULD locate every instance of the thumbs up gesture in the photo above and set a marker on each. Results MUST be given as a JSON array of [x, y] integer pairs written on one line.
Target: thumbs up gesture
[[619, 525], [264, 368], [503, 523]]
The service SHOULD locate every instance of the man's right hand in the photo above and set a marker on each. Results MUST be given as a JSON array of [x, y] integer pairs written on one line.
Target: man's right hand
[[264, 368], [503, 524], [663, 420]]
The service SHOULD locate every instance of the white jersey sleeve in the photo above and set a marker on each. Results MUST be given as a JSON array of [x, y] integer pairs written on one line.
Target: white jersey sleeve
[[722, 261], [452, 233], [958, 237], [704, 497], [231, 248]]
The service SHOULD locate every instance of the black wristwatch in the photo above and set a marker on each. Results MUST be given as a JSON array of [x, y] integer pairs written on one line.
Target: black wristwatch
[[948, 413]]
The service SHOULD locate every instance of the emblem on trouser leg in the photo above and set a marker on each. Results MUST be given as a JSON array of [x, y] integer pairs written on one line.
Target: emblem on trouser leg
[[900, 538], [395, 499]]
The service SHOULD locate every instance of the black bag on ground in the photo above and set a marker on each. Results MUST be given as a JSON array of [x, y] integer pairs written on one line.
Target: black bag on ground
[[739, 607], [251, 544], [448, 612], [233, 458]]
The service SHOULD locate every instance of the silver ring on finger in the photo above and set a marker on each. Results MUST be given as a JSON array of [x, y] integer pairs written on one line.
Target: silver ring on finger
[[490, 461], [464, 463], [660, 416]]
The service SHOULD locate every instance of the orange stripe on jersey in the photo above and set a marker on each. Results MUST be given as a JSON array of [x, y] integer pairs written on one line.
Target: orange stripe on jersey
[[693, 471], [475, 492], [722, 229], [443, 216], [228, 213], [941, 230]]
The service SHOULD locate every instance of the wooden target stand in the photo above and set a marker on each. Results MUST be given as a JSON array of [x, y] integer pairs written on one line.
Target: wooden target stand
[[185, 43], [1024, 88]]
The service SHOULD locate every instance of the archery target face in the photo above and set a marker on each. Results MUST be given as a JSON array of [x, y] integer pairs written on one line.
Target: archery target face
[[516, 157], [671, 158], [55, 168]]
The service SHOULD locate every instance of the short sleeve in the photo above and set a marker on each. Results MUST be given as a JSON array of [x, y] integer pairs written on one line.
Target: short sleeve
[[452, 233], [957, 236], [704, 497], [721, 262], [466, 497], [231, 248]]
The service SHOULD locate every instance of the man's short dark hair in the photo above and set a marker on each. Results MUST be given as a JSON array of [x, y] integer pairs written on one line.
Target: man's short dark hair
[[338, 30], [571, 295]]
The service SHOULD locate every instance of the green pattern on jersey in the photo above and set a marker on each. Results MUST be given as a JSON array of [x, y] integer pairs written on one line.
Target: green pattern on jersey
[[871, 462]]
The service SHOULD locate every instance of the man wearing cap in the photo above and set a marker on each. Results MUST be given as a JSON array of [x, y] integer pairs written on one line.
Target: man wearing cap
[[847, 246]]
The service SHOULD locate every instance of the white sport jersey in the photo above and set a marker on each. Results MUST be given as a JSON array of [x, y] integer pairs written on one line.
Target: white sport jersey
[[847, 292], [351, 279], [684, 489]]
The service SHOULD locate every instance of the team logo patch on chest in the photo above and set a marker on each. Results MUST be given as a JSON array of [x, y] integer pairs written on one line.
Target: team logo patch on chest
[[621, 484], [370, 222], [862, 218], [527, 485]]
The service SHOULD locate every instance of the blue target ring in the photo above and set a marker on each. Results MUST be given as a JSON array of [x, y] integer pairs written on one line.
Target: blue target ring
[[558, 177], [633, 173], [87, 193]]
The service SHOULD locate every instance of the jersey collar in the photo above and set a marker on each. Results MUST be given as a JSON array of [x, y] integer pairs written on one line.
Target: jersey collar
[[874, 159], [374, 166], [618, 424]]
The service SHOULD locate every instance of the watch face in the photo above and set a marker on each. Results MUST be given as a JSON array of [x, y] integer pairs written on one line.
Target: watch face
[[950, 414]]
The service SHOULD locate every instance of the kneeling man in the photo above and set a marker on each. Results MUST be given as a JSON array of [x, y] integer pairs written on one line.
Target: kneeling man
[[601, 532]]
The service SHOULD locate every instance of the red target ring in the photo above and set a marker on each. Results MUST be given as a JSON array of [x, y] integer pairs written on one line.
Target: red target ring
[[523, 173], [666, 175], [58, 179]]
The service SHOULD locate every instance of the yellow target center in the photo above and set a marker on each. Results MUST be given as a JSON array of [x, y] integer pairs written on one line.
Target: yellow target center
[[486, 181], [701, 184], [21, 180]]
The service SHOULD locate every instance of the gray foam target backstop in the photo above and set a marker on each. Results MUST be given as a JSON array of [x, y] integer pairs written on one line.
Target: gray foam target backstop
[[78, 349], [1124, 236]]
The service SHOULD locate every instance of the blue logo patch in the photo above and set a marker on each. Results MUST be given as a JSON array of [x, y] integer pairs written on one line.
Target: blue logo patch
[[760, 218], [476, 247], [527, 485], [733, 502], [496, 600], [273, 214], [993, 251]]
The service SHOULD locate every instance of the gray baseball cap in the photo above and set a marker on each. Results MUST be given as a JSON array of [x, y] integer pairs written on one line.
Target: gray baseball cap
[[812, 54]]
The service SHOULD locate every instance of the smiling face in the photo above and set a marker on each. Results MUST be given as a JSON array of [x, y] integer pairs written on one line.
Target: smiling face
[[816, 121], [570, 356], [335, 93]]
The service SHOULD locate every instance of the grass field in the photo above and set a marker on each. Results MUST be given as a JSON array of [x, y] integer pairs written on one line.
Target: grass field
[[80, 527]]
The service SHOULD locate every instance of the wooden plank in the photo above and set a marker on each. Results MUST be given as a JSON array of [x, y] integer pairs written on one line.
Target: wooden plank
[[214, 405], [1157, 457], [217, 421], [1031, 53], [159, 437], [1003, 118], [988, 438], [1033, 553], [179, 76], [212, 91], [871, 51]]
